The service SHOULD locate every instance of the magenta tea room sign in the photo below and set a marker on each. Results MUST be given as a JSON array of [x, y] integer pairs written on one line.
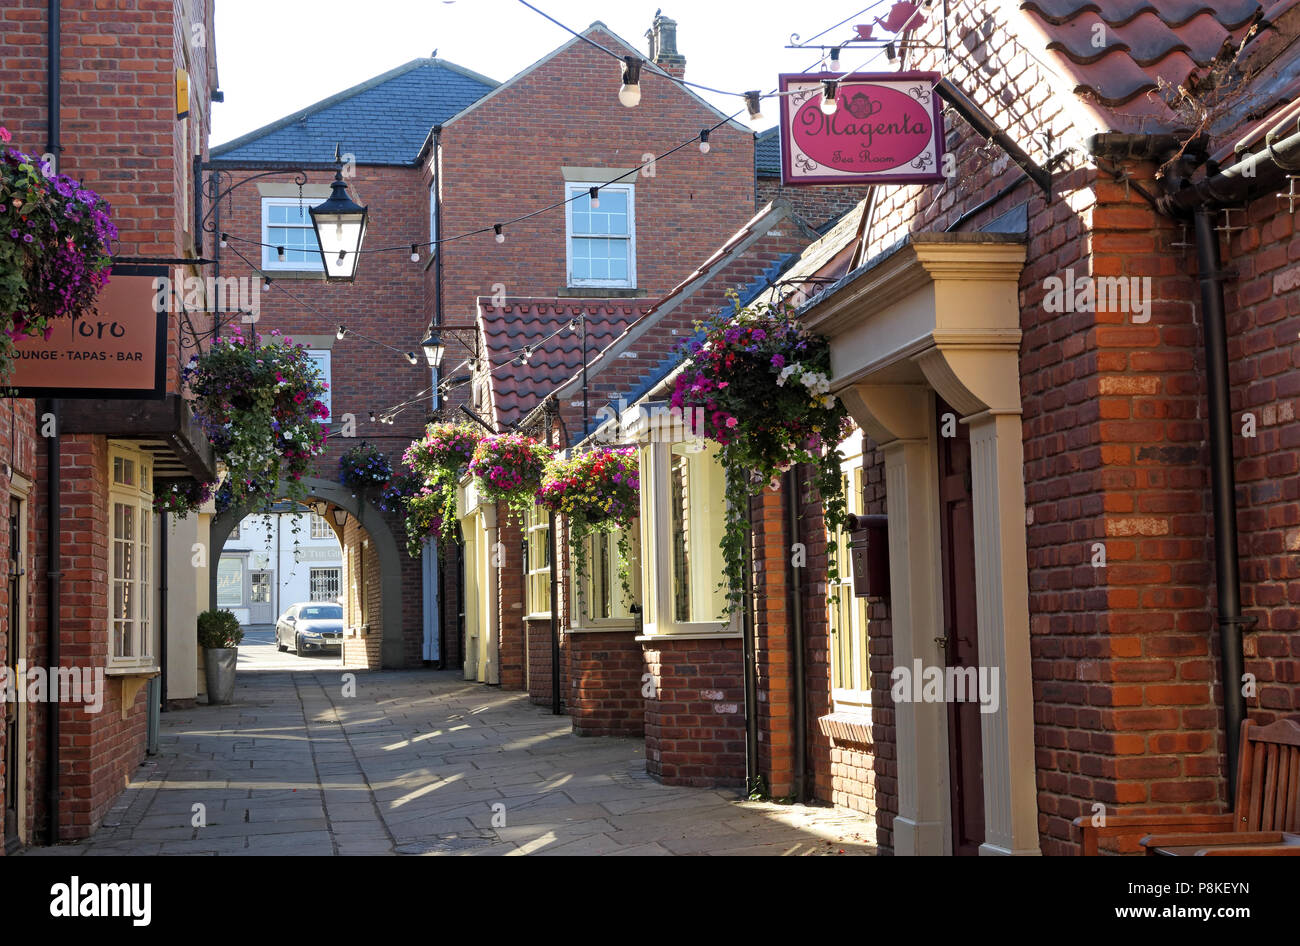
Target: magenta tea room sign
[[885, 128]]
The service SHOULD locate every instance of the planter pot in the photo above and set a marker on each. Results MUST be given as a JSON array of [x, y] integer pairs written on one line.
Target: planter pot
[[219, 669]]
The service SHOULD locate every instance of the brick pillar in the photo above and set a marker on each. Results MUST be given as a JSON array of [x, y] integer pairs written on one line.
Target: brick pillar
[[695, 727], [605, 687]]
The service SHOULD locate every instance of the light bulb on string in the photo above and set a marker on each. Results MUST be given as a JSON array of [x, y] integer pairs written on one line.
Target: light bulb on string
[[629, 94], [415, 253], [752, 102], [224, 237], [500, 234], [828, 104], [410, 356], [704, 142], [594, 194], [835, 59], [279, 251], [340, 333]]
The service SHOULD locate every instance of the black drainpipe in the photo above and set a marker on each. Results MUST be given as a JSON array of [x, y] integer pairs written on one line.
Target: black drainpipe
[[796, 590], [1223, 487], [751, 675], [53, 508]]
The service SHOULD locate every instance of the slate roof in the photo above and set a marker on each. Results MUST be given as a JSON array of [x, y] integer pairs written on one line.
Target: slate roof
[[508, 328], [767, 153], [384, 120], [1143, 42]]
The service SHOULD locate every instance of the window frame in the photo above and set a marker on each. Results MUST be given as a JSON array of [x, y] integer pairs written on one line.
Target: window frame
[[141, 621], [855, 693], [580, 189], [271, 259], [582, 599], [324, 360], [338, 582], [325, 530], [706, 571], [537, 581]]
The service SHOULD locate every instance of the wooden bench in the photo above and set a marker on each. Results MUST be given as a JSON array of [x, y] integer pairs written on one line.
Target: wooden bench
[[1268, 801]]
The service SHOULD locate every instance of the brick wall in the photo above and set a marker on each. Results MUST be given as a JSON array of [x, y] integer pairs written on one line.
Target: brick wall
[[120, 137], [819, 206], [695, 726], [606, 684], [680, 211], [510, 602]]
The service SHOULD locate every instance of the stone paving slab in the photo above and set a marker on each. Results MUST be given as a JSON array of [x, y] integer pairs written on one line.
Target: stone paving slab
[[421, 763]]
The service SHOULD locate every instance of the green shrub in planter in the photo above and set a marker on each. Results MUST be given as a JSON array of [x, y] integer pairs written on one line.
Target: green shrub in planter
[[218, 630]]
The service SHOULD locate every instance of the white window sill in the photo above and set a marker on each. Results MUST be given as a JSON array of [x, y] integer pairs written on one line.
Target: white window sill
[[538, 616], [691, 636], [609, 627], [116, 669]]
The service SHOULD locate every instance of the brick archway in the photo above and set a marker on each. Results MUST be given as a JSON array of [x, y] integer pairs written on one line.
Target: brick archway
[[386, 547]]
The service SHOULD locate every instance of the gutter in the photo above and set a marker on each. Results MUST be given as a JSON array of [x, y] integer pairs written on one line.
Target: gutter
[[1246, 180]]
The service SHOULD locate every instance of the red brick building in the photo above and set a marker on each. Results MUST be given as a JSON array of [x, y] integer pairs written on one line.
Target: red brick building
[[127, 115], [1112, 612]]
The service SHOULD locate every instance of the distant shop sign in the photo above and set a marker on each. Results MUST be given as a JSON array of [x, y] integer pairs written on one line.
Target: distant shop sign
[[887, 128], [115, 352]]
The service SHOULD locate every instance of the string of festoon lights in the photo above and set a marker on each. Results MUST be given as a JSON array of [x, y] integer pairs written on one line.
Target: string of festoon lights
[[517, 357], [630, 96]]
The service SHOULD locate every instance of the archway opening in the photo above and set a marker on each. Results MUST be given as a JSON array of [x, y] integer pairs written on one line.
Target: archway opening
[[342, 561]]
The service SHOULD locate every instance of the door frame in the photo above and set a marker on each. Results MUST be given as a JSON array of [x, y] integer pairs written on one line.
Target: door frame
[[20, 490]]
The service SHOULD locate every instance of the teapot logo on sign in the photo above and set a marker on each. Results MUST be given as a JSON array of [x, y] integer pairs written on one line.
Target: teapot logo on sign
[[885, 129]]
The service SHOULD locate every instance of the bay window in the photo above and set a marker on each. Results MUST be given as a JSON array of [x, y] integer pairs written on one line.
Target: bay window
[[538, 550], [598, 598], [131, 578], [683, 507]]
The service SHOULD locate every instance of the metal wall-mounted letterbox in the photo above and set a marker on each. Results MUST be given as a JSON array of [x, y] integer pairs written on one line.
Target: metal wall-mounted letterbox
[[869, 551]]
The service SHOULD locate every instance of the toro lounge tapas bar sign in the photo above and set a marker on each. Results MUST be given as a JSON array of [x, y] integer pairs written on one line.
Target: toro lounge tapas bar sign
[[115, 351], [884, 128]]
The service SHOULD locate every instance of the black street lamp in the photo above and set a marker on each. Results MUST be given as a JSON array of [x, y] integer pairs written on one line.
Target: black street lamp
[[340, 225], [433, 347]]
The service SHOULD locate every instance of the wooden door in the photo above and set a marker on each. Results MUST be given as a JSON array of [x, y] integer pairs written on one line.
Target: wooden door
[[961, 644]]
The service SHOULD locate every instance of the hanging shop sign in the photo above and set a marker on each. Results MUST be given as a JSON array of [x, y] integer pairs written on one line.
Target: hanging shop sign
[[116, 351], [883, 128]]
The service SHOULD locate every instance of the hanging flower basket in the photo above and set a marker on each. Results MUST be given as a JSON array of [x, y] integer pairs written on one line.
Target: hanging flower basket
[[54, 248], [180, 497], [364, 467], [258, 400], [409, 495], [440, 457], [509, 467], [597, 491], [760, 384]]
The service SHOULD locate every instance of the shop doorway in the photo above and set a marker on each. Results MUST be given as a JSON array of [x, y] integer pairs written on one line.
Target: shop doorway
[[960, 628]]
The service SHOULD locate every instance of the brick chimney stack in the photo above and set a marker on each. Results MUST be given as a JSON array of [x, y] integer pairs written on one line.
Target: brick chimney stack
[[662, 37]]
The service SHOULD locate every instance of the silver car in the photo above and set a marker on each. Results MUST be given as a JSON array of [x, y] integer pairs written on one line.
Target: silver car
[[310, 626]]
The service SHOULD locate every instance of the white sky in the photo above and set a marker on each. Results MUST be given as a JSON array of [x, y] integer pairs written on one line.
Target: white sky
[[269, 52]]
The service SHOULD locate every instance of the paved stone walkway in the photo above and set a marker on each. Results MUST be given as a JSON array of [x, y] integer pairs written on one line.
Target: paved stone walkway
[[419, 762]]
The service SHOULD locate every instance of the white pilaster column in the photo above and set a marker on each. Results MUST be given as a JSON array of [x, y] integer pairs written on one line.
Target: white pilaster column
[[1002, 607], [916, 601]]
